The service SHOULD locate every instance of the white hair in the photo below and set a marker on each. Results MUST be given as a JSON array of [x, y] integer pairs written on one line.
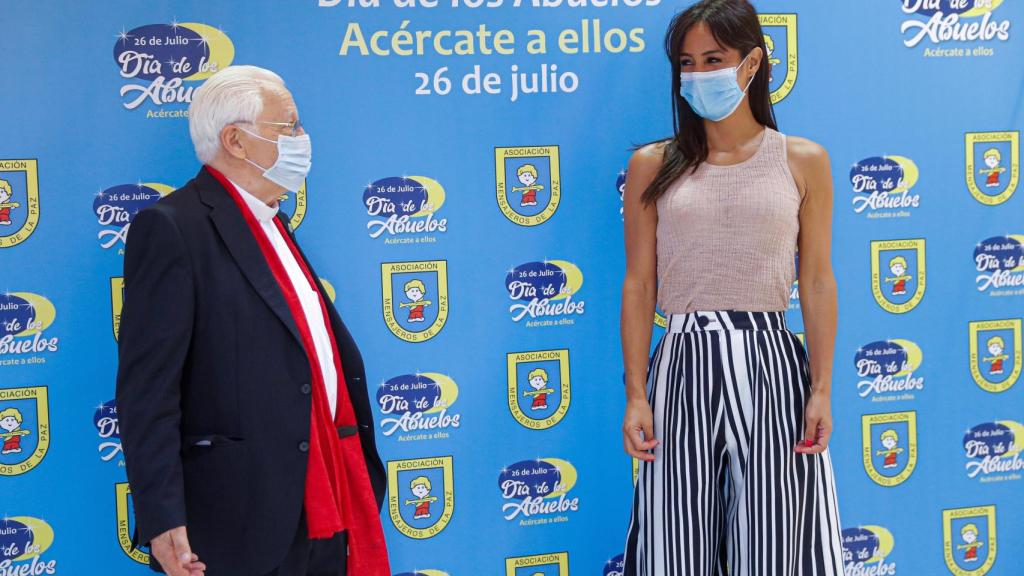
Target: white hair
[[234, 94]]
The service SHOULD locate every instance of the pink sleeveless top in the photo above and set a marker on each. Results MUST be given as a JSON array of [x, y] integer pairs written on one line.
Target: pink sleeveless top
[[727, 234]]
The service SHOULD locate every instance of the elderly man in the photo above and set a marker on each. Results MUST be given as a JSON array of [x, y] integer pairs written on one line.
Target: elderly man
[[241, 396]]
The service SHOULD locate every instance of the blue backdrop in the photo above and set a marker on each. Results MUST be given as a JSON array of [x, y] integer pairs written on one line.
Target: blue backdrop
[[465, 205]]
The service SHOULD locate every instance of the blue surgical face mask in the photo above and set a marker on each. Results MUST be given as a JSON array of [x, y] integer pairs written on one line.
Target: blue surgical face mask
[[294, 159], [713, 95]]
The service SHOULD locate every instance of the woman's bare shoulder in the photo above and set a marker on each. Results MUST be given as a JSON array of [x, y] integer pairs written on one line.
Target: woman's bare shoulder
[[649, 157]]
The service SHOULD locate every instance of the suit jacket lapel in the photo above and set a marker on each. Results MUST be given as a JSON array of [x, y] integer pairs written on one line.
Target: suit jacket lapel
[[242, 245]]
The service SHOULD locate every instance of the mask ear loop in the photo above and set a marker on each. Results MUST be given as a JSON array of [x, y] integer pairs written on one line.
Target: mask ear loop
[[257, 136], [751, 81], [264, 170], [744, 91]]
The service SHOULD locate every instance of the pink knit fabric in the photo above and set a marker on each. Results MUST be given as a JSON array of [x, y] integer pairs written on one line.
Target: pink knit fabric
[[727, 234]]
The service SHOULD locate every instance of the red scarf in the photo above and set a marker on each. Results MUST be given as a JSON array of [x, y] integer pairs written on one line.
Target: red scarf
[[339, 495]]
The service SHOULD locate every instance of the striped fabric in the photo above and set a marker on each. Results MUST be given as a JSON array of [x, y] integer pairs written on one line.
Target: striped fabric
[[726, 493]]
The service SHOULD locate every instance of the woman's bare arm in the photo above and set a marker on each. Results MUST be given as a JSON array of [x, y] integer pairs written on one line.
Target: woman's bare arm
[[639, 297], [809, 163]]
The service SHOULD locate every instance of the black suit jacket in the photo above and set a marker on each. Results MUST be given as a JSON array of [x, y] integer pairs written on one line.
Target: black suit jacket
[[213, 385]]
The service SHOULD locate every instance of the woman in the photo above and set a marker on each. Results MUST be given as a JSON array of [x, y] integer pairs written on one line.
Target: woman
[[728, 419]]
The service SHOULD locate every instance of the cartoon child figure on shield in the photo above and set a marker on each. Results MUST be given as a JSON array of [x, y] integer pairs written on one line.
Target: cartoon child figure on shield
[[538, 379], [889, 441], [421, 490], [898, 266], [11, 430], [415, 290], [527, 175]]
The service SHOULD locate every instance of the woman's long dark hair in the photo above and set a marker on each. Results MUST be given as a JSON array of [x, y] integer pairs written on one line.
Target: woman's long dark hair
[[734, 24]]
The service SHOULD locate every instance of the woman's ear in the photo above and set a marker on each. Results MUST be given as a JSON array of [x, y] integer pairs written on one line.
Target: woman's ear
[[754, 59]]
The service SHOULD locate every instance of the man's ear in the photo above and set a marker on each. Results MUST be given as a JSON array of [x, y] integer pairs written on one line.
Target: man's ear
[[230, 140]]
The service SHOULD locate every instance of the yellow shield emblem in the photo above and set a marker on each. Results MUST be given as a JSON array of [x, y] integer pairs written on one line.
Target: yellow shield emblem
[[415, 488], [780, 40], [660, 320], [415, 298], [898, 273], [996, 353], [296, 207], [538, 387], [992, 165], [19, 200], [889, 446], [969, 539], [124, 524], [528, 565], [116, 303], [26, 434], [528, 183], [329, 289]]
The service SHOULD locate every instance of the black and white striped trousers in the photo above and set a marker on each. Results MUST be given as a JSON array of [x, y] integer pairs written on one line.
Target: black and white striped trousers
[[726, 492]]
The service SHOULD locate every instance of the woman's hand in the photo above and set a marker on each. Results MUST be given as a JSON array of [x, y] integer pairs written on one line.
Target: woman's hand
[[639, 419], [817, 424]]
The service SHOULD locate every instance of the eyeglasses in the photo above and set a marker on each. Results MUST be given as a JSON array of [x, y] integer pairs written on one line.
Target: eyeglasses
[[290, 128]]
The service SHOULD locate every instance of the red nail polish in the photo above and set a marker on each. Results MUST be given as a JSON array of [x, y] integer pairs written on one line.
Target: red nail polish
[[808, 443]]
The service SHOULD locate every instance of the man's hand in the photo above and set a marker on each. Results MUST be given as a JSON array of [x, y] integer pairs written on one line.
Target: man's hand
[[174, 554]]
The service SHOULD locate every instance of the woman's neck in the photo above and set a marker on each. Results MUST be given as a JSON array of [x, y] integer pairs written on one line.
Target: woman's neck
[[734, 132]]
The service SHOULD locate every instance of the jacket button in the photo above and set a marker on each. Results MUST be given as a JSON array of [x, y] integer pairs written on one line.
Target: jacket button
[[303, 446], [306, 388]]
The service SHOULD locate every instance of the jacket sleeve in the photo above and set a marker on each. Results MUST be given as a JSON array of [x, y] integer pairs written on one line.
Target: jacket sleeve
[[153, 345]]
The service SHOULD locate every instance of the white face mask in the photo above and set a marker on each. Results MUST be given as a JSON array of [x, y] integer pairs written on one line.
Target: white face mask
[[294, 159]]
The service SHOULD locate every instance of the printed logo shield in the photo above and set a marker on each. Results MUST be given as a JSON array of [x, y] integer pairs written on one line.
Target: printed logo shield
[[552, 564], [780, 40], [415, 298], [126, 523], [660, 320], [116, 303], [528, 183], [898, 273], [329, 290], [660, 317], [19, 200], [992, 165], [890, 446], [421, 495], [295, 204], [24, 428], [996, 353], [969, 540], [538, 387]]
